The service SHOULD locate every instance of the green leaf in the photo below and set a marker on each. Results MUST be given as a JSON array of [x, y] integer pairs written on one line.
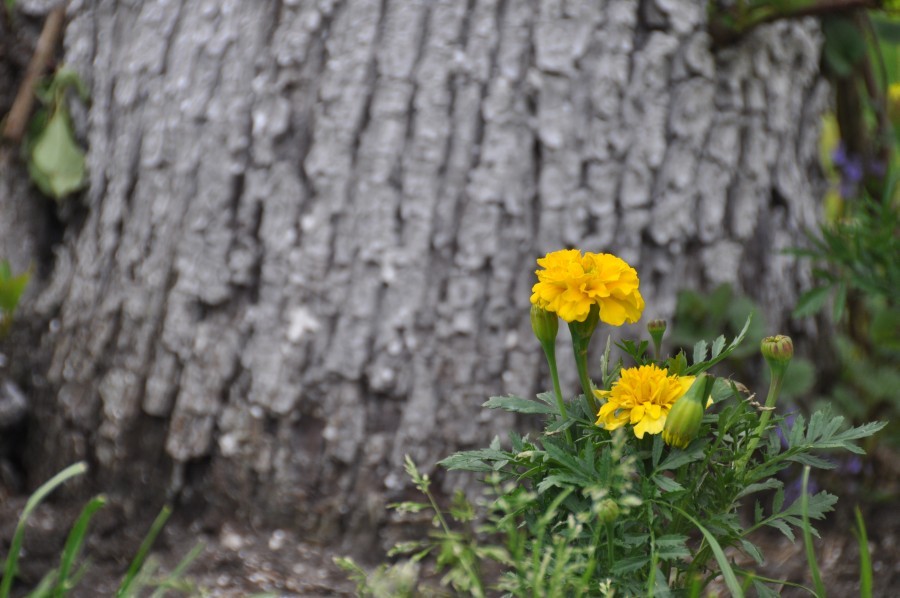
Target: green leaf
[[865, 558], [807, 536], [565, 459], [629, 565], [844, 46], [724, 566], [840, 300], [751, 549], [769, 484], [783, 527], [477, 460], [717, 346], [811, 302], [705, 365], [700, 350], [12, 557], [519, 405], [667, 484], [888, 29], [672, 546], [57, 163], [678, 457], [11, 287], [677, 365]]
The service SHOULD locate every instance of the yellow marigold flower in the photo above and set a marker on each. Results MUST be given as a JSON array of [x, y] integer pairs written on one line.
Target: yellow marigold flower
[[642, 397], [571, 282]]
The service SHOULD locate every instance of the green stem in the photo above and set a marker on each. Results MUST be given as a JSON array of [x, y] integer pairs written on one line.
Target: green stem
[[771, 398], [592, 564], [474, 576], [610, 545], [550, 353], [580, 348]]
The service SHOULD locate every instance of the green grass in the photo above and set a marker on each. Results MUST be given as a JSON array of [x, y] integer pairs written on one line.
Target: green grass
[[57, 583]]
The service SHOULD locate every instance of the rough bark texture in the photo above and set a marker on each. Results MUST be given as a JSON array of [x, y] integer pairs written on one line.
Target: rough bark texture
[[310, 232]]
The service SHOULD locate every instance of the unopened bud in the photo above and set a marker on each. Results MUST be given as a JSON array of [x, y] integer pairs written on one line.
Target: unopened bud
[[683, 421], [778, 351], [608, 510], [545, 325], [657, 328]]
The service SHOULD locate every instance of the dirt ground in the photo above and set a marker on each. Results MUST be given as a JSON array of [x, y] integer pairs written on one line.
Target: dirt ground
[[239, 561]]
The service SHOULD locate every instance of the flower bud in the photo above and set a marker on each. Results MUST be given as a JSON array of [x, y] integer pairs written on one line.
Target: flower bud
[[683, 421], [778, 351], [656, 328], [608, 510], [545, 325]]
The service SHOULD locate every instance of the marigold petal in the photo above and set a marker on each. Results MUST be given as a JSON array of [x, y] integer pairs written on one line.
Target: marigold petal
[[650, 426]]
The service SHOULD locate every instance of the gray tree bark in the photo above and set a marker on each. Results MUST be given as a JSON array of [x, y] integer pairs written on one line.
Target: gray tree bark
[[309, 237]]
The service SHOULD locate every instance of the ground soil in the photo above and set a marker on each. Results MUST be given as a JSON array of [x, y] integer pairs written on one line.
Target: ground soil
[[240, 561]]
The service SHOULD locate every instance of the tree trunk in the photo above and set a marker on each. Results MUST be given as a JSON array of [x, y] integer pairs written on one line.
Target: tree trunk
[[309, 237]]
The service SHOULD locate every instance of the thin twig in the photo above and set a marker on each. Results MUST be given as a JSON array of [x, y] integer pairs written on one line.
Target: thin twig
[[17, 121]]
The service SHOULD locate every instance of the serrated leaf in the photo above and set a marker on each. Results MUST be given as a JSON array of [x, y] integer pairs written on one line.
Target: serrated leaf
[[560, 480], [672, 546], [560, 425], [700, 349], [519, 405], [778, 500], [783, 527], [635, 539], [812, 461], [677, 365], [753, 488], [717, 346], [565, 459], [628, 565], [705, 365], [678, 457], [477, 460], [751, 549], [667, 484]]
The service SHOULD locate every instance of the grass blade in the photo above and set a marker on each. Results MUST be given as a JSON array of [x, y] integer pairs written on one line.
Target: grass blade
[[178, 571], [807, 537], [74, 543], [12, 559], [727, 572], [143, 551], [865, 559]]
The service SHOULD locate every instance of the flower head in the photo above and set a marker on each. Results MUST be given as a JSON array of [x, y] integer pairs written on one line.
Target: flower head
[[642, 397], [571, 282]]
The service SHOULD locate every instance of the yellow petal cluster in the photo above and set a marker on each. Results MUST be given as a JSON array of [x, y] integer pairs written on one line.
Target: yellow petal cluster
[[571, 282], [642, 397]]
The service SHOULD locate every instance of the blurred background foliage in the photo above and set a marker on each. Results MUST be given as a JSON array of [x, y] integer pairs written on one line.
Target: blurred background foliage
[[854, 252]]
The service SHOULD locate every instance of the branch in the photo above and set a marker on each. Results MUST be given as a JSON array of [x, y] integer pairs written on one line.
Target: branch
[[17, 121]]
